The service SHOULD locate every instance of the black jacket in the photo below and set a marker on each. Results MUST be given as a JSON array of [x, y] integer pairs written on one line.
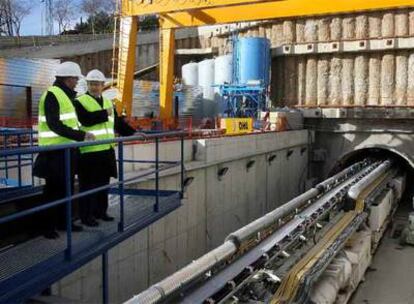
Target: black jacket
[[51, 164], [102, 162]]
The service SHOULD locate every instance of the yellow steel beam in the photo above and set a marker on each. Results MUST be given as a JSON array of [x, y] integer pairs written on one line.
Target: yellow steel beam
[[167, 52], [276, 9], [146, 7], [126, 64]]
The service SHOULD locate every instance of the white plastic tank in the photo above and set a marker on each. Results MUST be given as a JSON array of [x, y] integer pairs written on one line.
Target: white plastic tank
[[206, 73], [223, 69], [206, 82], [223, 73], [189, 74]]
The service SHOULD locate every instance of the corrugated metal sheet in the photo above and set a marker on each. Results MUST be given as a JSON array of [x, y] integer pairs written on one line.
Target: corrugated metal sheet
[[18, 73], [146, 100]]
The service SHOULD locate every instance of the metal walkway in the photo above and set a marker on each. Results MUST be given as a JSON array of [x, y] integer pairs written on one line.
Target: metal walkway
[[29, 268]]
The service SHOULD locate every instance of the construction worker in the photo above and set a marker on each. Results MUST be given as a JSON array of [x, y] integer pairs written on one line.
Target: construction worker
[[98, 163], [58, 125]]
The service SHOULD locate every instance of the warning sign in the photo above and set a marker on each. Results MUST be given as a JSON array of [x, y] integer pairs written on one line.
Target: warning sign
[[235, 126]]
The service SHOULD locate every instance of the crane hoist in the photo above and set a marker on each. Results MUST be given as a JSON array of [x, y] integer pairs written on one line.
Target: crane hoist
[[175, 14]]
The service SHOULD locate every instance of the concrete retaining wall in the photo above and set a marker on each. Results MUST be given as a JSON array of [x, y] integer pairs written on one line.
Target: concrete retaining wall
[[382, 77], [211, 209]]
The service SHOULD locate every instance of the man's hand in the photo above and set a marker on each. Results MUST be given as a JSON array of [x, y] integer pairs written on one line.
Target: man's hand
[[89, 136], [109, 111]]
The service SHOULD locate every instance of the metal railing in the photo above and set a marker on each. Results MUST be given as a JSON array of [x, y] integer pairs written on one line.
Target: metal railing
[[18, 153], [11, 139], [122, 181]]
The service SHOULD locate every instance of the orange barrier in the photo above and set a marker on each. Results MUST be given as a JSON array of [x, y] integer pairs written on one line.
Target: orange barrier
[[12, 122], [156, 124]]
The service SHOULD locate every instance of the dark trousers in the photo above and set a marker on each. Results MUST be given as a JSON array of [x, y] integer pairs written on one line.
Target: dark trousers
[[96, 204], [55, 218]]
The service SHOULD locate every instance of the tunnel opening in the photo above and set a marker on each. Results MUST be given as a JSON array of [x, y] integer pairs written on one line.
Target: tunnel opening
[[380, 153]]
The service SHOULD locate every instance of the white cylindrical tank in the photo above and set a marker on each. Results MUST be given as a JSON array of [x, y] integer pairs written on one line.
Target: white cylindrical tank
[[206, 73], [223, 69], [206, 82], [223, 73], [189, 74]]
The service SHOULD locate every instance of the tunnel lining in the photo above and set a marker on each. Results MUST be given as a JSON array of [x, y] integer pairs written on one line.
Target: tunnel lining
[[354, 155]]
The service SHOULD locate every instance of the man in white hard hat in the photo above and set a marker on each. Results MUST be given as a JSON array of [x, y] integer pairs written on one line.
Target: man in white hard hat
[[58, 125], [97, 164]]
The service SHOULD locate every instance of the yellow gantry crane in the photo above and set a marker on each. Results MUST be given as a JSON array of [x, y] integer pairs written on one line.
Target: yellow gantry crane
[[174, 14]]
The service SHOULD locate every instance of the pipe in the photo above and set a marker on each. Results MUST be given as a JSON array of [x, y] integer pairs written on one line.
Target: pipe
[[328, 183], [189, 273], [195, 270], [355, 191], [247, 232]]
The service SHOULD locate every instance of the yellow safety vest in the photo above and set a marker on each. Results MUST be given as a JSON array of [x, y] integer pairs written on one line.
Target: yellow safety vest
[[67, 115], [102, 131]]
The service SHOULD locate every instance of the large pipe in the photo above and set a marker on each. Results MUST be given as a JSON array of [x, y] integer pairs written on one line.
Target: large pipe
[[189, 273], [176, 281], [327, 184], [355, 191], [247, 232]]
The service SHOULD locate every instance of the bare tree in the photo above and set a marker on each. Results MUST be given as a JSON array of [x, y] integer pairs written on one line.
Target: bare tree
[[2, 18], [19, 9], [6, 21], [63, 13], [92, 7], [12, 13]]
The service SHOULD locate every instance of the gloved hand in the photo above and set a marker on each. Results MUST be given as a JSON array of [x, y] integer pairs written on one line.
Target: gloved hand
[[89, 136]]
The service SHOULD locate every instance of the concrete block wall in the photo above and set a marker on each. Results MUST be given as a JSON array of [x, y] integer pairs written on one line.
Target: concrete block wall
[[375, 78], [212, 208]]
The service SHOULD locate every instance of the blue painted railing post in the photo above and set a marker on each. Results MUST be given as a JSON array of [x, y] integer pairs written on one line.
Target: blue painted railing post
[[6, 163], [182, 166], [105, 291], [68, 182], [19, 161], [121, 224], [157, 175]]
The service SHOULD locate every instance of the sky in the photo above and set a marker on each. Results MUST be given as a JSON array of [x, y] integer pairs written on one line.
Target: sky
[[32, 24]]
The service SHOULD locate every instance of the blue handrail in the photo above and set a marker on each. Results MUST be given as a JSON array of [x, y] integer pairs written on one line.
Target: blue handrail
[[120, 183], [136, 137], [18, 135]]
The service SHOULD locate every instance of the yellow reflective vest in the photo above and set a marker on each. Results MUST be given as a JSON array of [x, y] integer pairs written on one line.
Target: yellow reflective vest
[[67, 115], [102, 131]]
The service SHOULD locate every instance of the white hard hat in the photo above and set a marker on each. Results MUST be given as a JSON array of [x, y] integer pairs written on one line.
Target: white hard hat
[[95, 75], [69, 69]]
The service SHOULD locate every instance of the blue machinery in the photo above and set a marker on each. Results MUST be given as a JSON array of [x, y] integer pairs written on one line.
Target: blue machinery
[[247, 94], [31, 267]]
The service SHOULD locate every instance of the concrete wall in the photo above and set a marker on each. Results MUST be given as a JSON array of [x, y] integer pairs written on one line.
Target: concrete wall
[[36, 41], [367, 77], [337, 139], [97, 51], [211, 209]]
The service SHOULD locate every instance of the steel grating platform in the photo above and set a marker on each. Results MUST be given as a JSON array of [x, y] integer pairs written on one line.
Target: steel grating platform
[[30, 267]]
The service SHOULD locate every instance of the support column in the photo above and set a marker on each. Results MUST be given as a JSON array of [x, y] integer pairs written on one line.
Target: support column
[[167, 52], [126, 64]]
